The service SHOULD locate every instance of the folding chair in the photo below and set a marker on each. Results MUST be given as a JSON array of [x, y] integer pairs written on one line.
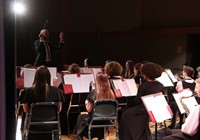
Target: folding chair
[[43, 117], [105, 114]]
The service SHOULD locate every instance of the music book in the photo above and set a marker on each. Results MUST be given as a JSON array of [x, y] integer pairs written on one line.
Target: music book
[[190, 100], [157, 107], [171, 75], [124, 87], [165, 80], [77, 83]]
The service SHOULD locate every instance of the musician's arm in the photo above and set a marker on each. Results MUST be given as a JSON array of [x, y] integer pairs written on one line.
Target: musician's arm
[[191, 124]]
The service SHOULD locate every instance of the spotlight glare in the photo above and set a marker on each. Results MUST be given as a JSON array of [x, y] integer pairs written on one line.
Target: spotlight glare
[[18, 8]]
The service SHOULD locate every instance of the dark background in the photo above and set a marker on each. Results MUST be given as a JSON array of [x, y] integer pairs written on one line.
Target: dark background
[[166, 32], [116, 30]]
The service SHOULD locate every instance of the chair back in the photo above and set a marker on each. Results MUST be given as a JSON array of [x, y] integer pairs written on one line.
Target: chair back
[[105, 114], [43, 117], [105, 109], [43, 111]]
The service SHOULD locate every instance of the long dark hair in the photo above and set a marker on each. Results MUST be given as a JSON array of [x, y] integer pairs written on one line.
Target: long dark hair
[[41, 80]]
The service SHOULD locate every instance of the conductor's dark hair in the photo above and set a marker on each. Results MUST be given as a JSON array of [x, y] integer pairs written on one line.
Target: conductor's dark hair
[[151, 70]]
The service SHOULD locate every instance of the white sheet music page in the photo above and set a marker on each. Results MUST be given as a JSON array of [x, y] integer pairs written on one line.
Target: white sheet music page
[[127, 87], [165, 80], [53, 72], [158, 105], [171, 75], [80, 84], [29, 75], [95, 71], [132, 87], [86, 70], [190, 101]]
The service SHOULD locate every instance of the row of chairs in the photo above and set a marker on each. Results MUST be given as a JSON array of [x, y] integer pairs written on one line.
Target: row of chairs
[[44, 117]]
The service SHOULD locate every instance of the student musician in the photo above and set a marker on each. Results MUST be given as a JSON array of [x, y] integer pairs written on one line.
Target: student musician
[[102, 91], [41, 91], [139, 78], [190, 130], [134, 122], [128, 71], [186, 83]]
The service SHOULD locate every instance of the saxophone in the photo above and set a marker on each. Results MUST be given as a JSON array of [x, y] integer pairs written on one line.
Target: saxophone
[[184, 105]]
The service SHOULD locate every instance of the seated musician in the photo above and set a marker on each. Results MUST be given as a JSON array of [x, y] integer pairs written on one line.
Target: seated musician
[[186, 83], [41, 91], [190, 129], [134, 122], [102, 91]]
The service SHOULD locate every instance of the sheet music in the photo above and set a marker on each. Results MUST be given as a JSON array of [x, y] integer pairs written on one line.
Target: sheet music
[[29, 75], [53, 72], [86, 70], [171, 75], [79, 84], [190, 102], [157, 104], [95, 71], [127, 87], [165, 80]]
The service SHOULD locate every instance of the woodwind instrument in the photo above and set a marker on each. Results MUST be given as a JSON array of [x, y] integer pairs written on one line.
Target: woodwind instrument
[[184, 105]]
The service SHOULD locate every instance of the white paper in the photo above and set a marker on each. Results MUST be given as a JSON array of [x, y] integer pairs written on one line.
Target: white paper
[[29, 75], [171, 75], [165, 80], [157, 104], [79, 84], [127, 87], [53, 72]]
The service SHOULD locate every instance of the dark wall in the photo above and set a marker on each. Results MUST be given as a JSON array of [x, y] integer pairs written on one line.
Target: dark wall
[[121, 25]]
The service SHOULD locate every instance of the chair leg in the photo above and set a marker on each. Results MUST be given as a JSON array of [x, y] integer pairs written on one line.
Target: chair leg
[[89, 133], [104, 133], [117, 133], [52, 136]]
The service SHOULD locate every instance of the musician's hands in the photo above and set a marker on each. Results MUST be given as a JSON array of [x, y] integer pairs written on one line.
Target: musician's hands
[[61, 36]]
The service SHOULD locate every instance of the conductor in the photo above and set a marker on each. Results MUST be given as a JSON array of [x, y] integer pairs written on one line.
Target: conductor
[[44, 49]]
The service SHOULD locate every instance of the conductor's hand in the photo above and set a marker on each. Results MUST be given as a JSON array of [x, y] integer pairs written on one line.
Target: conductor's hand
[[61, 36]]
